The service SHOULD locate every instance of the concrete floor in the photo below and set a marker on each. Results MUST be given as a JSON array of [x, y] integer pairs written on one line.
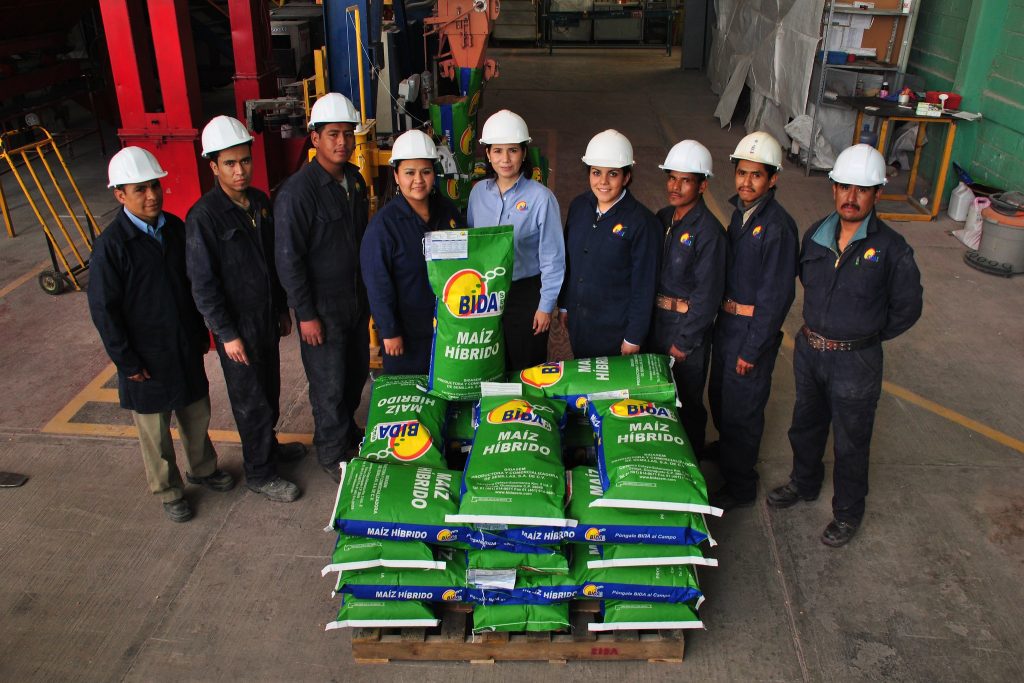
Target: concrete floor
[[99, 586]]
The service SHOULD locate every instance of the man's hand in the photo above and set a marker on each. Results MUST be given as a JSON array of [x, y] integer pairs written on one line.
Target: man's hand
[[235, 350], [312, 331], [393, 346], [743, 367], [284, 324], [676, 353], [140, 376], [541, 322], [628, 349]]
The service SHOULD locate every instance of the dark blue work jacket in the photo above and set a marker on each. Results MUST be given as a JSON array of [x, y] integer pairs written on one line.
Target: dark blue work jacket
[[693, 256], [141, 303], [395, 270], [761, 270], [318, 233], [230, 256], [610, 273], [874, 287]]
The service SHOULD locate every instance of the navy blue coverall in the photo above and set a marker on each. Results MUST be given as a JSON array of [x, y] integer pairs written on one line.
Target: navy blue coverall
[[872, 292], [610, 271], [693, 259], [141, 303], [230, 257], [395, 272], [319, 227], [760, 272]]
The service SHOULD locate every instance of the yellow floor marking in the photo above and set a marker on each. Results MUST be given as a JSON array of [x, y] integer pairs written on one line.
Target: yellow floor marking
[[96, 392], [7, 289], [940, 410]]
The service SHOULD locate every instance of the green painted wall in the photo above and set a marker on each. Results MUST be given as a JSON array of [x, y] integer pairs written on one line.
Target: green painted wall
[[999, 151], [976, 48], [938, 40]]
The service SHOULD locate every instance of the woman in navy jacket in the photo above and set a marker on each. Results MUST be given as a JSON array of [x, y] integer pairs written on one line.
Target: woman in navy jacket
[[394, 269], [611, 244]]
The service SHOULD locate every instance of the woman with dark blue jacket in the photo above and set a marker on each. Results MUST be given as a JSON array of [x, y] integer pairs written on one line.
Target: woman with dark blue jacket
[[611, 244], [391, 256]]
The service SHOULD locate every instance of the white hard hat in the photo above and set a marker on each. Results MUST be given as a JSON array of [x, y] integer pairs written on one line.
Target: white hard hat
[[133, 165], [859, 165], [688, 156], [333, 108], [504, 128], [413, 144], [609, 149], [760, 147], [223, 132]]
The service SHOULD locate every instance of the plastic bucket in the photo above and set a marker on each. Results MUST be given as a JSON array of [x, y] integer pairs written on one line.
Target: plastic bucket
[[1002, 239]]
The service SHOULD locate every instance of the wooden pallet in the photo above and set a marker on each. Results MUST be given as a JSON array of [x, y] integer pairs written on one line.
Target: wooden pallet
[[453, 640]]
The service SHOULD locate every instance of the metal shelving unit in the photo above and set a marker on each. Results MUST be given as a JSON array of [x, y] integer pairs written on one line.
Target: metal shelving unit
[[894, 62]]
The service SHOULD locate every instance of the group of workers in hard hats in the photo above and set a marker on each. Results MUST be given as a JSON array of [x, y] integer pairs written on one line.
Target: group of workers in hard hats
[[620, 278]]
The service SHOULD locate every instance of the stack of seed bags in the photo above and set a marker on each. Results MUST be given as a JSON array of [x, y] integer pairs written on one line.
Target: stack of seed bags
[[640, 512], [391, 505], [647, 475], [514, 477]]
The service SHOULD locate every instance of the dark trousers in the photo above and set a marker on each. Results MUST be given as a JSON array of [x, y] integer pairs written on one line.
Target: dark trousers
[[415, 359], [690, 375], [738, 403], [841, 388], [336, 371], [523, 348], [255, 391]]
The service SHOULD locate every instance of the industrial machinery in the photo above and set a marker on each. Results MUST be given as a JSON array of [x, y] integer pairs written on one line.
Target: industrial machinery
[[424, 61]]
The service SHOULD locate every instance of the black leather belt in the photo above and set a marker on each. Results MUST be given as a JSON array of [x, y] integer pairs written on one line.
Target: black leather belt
[[820, 343]]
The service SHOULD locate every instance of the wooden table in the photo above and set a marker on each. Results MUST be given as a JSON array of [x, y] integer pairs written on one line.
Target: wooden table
[[889, 114]]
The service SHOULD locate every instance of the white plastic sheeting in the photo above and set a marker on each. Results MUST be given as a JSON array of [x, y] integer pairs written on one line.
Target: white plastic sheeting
[[770, 45]]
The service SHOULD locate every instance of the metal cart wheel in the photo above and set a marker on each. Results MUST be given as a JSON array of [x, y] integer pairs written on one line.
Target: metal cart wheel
[[52, 282]]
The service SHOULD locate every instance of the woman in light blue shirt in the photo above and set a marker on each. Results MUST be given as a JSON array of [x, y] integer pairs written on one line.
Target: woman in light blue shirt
[[508, 196]]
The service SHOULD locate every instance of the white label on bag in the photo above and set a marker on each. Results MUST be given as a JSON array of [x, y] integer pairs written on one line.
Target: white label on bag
[[446, 245]]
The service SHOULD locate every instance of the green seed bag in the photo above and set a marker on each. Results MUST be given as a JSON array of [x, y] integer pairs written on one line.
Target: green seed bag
[[668, 583], [645, 459], [638, 555], [355, 613], [641, 376], [470, 272], [428, 585], [405, 424], [514, 474], [408, 504], [352, 553], [514, 617], [623, 615]]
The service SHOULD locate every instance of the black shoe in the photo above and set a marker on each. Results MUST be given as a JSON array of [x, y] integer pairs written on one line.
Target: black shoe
[[178, 510], [838, 533], [332, 471], [786, 496], [277, 489], [290, 452], [726, 501], [218, 480]]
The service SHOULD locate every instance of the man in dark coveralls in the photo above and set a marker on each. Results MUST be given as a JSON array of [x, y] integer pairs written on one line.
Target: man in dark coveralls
[[320, 217], [760, 286], [230, 257], [861, 288], [690, 281], [141, 304]]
